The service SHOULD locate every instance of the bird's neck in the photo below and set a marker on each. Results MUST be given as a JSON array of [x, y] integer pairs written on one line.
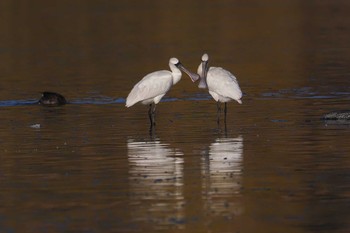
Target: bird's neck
[[203, 80], [203, 83], [176, 72]]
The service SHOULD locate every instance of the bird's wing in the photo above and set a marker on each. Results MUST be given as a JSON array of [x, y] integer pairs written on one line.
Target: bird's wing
[[224, 83], [152, 85]]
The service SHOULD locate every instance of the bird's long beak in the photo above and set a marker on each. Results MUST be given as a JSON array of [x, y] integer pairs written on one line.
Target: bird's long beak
[[194, 77]]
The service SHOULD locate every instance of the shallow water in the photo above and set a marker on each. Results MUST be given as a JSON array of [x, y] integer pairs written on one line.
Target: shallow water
[[94, 166]]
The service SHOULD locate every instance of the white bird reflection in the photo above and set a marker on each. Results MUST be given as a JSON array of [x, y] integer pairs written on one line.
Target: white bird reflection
[[156, 181], [222, 174]]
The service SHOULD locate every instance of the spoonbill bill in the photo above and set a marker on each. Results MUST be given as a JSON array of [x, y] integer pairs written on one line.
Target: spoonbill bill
[[52, 99], [155, 85], [222, 85]]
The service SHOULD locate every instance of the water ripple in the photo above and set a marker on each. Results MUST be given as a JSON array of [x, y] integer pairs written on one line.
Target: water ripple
[[303, 93], [89, 100], [99, 100], [10, 103]]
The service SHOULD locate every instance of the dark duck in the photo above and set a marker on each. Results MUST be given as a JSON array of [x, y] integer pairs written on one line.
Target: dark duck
[[52, 99]]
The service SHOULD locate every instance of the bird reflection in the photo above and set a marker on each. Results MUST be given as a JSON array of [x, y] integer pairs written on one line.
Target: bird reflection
[[222, 171], [156, 180]]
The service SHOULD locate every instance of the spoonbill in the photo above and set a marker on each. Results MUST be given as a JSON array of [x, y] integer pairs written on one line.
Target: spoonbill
[[222, 85], [151, 88], [52, 99]]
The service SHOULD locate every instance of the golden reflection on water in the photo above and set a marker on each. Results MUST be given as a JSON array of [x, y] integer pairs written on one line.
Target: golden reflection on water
[[156, 180], [222, 167], [156, 173]]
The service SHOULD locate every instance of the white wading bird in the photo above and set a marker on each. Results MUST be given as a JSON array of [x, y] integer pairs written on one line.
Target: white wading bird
[[222, 85], [155, 85]]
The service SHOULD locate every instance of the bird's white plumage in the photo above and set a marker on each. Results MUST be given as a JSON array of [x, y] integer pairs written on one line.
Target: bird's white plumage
[[222, 85], [151, 88]]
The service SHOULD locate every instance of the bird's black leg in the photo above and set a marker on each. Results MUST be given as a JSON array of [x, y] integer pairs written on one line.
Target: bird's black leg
[[150, 115], [154, 114], [225, 112], [218, 104]]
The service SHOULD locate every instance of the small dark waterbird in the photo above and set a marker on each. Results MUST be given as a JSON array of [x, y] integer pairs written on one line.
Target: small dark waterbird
[[222, 85], [151, 88], [52, 99]]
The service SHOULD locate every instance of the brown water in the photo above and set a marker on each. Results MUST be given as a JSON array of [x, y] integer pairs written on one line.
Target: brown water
[[92, 166]]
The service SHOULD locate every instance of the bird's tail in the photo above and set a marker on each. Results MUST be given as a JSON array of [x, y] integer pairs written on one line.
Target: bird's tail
[[128, 103]]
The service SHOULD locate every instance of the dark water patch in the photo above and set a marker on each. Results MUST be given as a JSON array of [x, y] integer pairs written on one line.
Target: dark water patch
[[314, 97], [340, 93], [100, 100], [278, 120], [88, 100], [339, 123], [304, 93], [11, 103], [198, 96], [169, 99], [97, 100], [192, 97]]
